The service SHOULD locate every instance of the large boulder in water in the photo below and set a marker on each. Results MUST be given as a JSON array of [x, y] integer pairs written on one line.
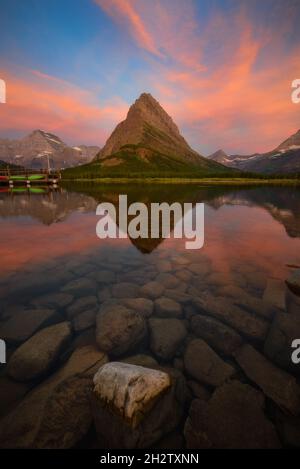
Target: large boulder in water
[[133, 406]]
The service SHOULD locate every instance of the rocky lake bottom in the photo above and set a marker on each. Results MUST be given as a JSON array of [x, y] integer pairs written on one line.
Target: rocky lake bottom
[[144, 344]]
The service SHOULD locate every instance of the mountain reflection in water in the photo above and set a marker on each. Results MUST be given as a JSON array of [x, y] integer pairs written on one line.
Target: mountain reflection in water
[[257, 225], [192, 305]]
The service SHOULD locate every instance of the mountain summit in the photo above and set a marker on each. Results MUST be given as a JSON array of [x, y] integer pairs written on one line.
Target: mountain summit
[[147, 124]]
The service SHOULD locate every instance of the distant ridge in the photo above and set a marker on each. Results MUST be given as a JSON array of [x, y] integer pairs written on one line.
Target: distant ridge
[[220, 156], [284, 159], [34, 150]]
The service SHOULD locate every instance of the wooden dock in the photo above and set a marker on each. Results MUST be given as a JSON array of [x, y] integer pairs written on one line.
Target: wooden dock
[[14, 177]]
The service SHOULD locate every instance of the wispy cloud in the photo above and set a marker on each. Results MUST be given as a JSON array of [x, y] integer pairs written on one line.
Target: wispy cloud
[[225, 80], [222, 69], [38, 100], [125, 12]]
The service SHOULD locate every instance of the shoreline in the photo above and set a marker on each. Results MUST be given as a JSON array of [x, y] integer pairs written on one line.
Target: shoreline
[[201, 181]]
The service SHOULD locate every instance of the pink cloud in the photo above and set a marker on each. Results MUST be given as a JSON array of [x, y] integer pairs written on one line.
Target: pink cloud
[[38, 100], [126, 10], [165, 29], [227, 83]]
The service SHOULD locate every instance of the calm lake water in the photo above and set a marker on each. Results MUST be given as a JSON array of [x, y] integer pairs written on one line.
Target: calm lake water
[[48, 240]]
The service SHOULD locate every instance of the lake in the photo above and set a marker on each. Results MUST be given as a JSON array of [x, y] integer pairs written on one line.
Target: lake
[[196, 306]]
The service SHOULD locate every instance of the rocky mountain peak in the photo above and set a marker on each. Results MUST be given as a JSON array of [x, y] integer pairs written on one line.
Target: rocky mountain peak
[[148, 109], [148, 125]]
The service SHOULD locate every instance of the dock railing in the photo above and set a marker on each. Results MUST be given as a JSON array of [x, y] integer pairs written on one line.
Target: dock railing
[[27, 172]]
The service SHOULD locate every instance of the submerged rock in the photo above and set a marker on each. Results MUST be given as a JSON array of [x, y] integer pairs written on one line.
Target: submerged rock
[[166, 335], [219, 336], [232, 419], [184, 275], [106, 277], [179, 296], [80, 287], [146, 361], [203, 364], [119, 329], [125, 290], [274, 293], [289, 429], [36, 356], [10, 393], [198, 390], [167, 308], [249, 325], [180, 260], [50, 280], [143, 306], [86, 303], [256, 279], [168, 280], [241, 298], [164, 266], [25, 323], [152, 290], [216, 279], [292, 302], [133, 406], [84, 321], [104, 294], [57, 413], [278, 385], [53, 300], [201, 269], [293, 282]]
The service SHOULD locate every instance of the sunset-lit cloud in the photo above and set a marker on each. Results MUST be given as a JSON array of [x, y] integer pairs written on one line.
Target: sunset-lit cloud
[[222, 81], [223, 71], [37, 100], [122, 10], [163, 28]]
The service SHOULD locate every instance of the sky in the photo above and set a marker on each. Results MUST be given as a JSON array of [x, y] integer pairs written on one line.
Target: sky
[[221, 68]]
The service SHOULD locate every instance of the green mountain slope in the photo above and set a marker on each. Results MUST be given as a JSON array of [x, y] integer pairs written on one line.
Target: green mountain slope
[[136, 161]]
